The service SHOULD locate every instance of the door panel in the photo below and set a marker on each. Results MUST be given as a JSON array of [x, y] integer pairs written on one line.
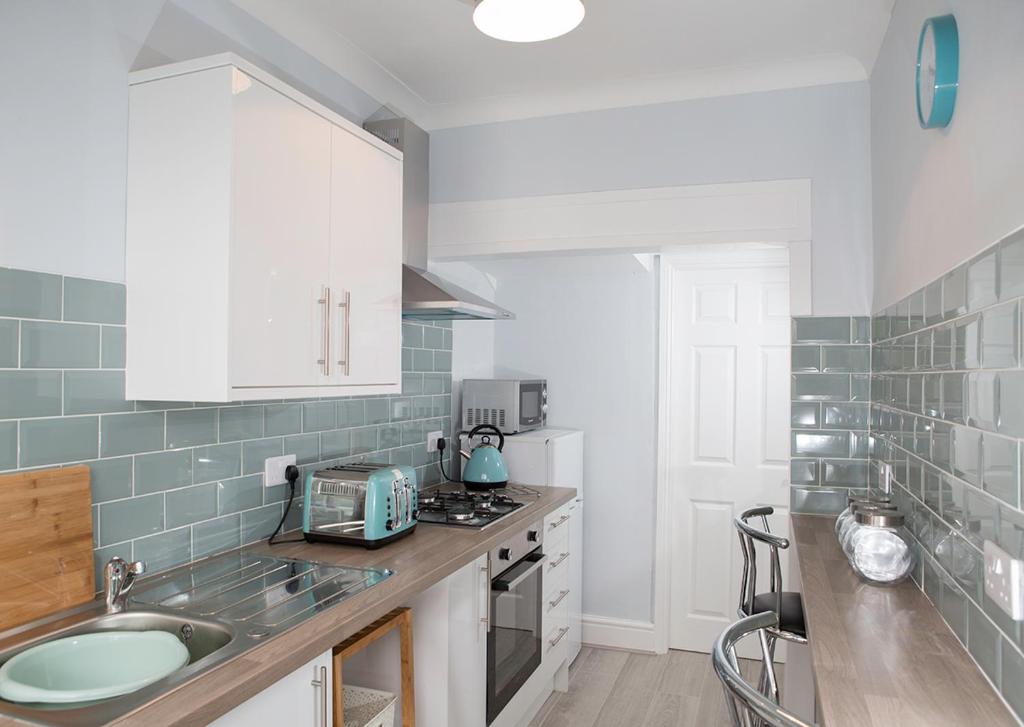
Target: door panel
[[710, 579], [365, 263], [714, 392], [280, 238], [728, 396]]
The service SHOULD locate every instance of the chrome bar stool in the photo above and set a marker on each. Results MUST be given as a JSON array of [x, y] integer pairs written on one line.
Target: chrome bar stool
[[785, 605], [748, 706]]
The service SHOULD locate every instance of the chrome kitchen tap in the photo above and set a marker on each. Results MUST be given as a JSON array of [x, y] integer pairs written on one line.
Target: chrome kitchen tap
[[119, 577]]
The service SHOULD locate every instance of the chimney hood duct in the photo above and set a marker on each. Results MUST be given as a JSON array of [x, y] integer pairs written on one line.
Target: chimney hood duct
[[425, 296]]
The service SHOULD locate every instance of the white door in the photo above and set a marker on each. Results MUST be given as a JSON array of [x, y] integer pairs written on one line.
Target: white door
[[304, 698], [729, 424], [281, 233], [365, 263]]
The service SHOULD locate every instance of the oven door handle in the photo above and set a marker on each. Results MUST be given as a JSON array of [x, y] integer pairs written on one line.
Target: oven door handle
[[500, 584]]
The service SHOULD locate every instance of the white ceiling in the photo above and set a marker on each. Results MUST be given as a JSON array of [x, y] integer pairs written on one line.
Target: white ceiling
[[426, 59]]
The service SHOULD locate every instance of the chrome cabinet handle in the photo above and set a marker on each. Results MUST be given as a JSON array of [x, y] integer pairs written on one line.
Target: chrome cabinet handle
[[561, 521], [561, 635], [487, 617], [325, 332], [322, 684], [558, 562], [561, 597], [346, 305]]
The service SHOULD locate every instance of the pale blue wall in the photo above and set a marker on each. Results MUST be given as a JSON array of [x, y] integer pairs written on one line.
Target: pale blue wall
[[820, 133]]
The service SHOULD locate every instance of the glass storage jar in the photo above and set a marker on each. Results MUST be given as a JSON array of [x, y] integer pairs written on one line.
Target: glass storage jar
[[850, 525], [852, 500], [878, 549]]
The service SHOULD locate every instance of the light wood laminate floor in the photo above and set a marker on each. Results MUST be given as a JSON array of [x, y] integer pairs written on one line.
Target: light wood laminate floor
[[617, 688]]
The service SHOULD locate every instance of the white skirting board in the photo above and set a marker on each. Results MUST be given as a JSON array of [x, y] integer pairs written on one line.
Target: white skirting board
[[618, 633]]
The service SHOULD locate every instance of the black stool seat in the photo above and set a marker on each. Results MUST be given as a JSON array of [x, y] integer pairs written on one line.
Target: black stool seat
[[792, 617]]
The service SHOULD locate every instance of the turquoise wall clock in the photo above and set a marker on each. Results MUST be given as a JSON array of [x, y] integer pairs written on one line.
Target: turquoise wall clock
[[938, 71]]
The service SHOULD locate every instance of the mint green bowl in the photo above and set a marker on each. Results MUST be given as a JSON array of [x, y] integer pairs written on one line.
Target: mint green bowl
[[91, 666]]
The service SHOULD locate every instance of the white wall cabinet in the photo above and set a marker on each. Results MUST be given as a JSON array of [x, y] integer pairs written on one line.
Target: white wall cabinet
[[264, 241], [302, 699]]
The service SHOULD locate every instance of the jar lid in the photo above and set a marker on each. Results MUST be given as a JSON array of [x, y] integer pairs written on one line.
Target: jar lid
[[880, 518], [863, 506], [868, 498]]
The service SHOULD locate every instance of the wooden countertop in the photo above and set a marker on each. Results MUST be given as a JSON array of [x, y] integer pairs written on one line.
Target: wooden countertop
[[430, 554], [883, 655]]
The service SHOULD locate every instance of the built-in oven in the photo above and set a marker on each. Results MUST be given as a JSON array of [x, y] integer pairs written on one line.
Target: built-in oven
[[512, 405], [514, 619]]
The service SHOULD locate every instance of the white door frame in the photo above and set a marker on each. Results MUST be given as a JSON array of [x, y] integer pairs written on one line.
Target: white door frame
[[800, 289]]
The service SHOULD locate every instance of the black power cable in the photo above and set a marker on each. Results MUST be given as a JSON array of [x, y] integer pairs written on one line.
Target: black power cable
[[440, 460], [291, 474]]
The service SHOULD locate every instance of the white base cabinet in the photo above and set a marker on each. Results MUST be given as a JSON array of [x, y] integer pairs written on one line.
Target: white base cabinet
[[264, 241], [304, 698], [469, 598]]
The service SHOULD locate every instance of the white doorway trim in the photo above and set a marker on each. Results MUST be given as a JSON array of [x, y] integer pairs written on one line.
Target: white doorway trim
[[663, 535]]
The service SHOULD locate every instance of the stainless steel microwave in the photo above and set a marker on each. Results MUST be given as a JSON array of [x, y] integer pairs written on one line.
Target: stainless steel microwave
[[512, 405]]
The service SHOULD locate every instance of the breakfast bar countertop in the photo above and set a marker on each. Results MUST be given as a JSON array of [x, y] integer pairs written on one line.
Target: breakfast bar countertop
[[427, 556], [882, 655]]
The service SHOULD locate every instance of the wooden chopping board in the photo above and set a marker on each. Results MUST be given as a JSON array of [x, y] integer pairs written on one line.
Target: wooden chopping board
[[46, 561]]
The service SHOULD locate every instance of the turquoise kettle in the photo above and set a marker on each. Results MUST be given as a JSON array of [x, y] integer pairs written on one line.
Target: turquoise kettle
[[485, 467]]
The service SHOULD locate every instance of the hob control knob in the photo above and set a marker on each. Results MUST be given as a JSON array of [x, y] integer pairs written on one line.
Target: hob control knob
[[505, 553], [532, 535]]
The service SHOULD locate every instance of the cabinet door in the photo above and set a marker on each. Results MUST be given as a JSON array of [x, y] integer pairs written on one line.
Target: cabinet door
[[280, 239], [469, 600], [575, 635], [365, 263], [304, 698]]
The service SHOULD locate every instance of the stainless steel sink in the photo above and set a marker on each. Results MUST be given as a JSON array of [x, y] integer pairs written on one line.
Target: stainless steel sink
[[219, 608]]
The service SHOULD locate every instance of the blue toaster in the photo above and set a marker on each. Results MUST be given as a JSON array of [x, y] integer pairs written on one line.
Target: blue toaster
[[367, 504]]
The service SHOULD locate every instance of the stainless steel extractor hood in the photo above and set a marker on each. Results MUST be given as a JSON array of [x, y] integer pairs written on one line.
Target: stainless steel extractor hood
[[425, 296]]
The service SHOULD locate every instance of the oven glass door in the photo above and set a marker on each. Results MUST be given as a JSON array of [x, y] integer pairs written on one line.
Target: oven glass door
[[514, 639], [531, 405]]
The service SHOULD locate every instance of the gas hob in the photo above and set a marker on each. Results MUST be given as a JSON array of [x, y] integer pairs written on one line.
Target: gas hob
[[451, 504]]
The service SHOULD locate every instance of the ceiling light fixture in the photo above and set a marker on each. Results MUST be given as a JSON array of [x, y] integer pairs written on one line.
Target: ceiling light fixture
[[527, 21]]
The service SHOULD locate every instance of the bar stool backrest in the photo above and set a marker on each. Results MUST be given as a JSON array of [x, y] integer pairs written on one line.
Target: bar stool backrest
[[749, 536], [746, 705]]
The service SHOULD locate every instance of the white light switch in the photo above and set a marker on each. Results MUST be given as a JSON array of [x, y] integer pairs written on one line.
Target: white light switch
[[273, 469], [1004, 580]]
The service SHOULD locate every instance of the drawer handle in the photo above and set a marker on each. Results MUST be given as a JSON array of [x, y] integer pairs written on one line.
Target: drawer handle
[[561, 520], [561, 597], [561, 635], [558, 562]]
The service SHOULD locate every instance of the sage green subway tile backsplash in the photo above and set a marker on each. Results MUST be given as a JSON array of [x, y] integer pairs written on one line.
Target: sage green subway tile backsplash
[[93, 300], [829, 414], [174, 481], [946, 414], [24, 294]]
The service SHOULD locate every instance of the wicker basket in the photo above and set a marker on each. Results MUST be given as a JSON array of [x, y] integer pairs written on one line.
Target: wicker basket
[[369, 707]]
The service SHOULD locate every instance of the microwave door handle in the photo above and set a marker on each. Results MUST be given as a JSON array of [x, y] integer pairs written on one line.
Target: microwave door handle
[[503, 585]]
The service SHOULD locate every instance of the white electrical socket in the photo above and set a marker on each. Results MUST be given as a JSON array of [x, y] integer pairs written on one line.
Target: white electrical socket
[[1004, 580], [273, 469], [432, 438]]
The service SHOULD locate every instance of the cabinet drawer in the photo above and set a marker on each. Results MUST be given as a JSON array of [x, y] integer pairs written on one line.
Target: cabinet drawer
[[556, 635], [556, 523], [556, 577]]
